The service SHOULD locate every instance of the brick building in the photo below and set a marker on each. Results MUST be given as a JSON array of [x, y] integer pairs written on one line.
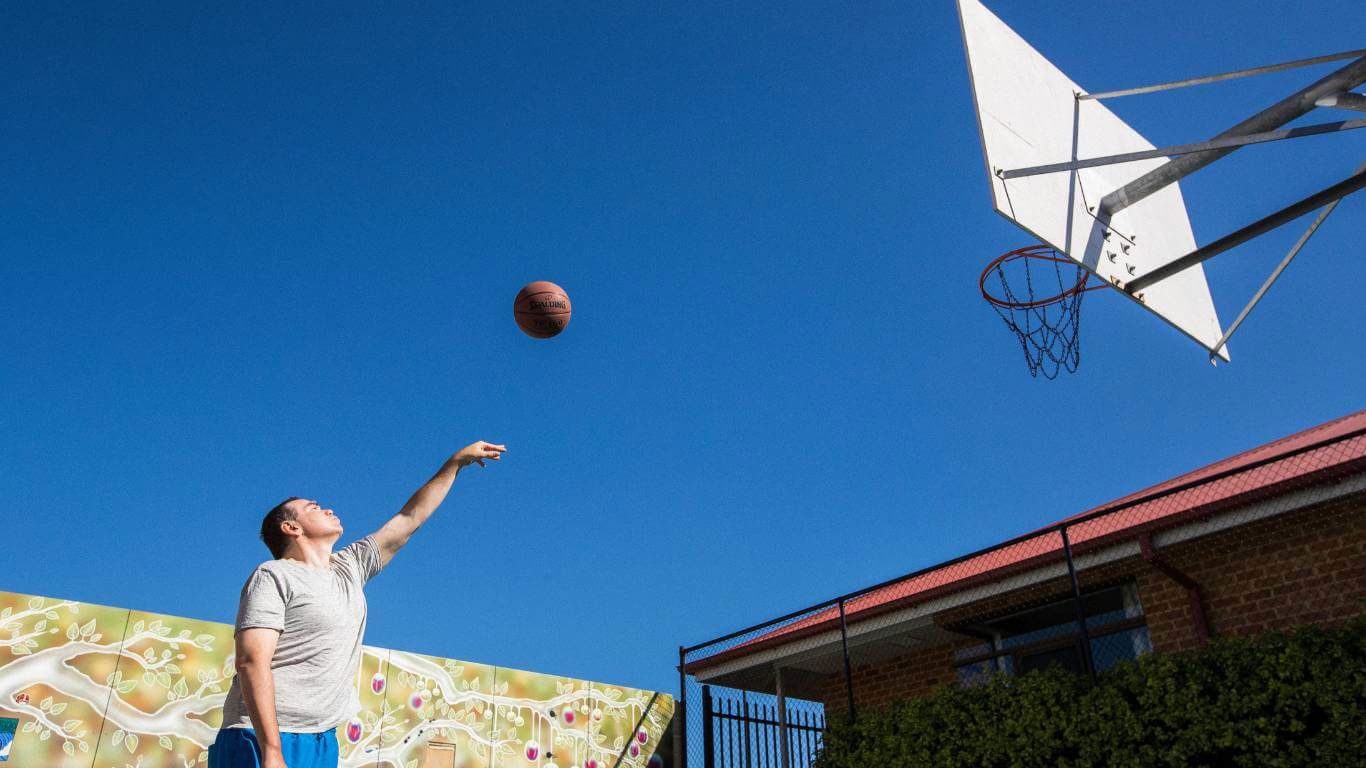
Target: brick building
[[1270, 538]]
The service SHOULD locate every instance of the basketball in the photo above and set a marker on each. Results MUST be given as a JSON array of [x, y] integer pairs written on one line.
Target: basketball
[[541, 309]]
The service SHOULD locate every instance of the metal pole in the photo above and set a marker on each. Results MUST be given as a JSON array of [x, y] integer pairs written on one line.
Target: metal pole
[[644, 713], [1086, 662], [1339, 190], [784, 759], [1275, 116], [1285, 262], [681, 714], [1186, 149], [746, 724], [1224, 76], [708, 732], [848, 674]]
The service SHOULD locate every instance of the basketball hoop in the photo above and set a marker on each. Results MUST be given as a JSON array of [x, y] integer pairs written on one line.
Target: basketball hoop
[[1047, 318]]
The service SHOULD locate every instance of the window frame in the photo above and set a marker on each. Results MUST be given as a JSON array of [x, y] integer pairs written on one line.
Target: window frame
[[995, 653], [1053, 643]]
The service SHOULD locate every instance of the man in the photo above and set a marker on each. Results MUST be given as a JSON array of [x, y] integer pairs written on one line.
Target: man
[[300, 625]]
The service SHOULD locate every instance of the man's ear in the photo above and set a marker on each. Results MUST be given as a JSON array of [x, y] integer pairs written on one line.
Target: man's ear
[[292, 527]]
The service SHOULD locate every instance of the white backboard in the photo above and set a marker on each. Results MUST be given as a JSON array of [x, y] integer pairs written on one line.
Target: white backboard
[[1028, 115]]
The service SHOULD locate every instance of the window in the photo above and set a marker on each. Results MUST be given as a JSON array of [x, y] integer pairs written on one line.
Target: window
[[1047, 636]]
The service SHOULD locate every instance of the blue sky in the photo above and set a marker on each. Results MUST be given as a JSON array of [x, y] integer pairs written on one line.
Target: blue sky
[[260, 251]]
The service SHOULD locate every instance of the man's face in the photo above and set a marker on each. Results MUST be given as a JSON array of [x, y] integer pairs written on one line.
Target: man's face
[[316, 521]]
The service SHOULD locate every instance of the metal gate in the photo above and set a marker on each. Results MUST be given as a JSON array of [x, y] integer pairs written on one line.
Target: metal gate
[[739, 731]]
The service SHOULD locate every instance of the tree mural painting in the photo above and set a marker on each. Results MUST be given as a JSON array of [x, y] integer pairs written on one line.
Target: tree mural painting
[[100, 687]]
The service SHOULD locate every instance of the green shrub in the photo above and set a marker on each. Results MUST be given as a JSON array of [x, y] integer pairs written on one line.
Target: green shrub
[[1296, 699]]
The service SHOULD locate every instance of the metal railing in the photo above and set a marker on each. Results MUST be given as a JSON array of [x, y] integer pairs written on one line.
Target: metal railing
[[746, 733]]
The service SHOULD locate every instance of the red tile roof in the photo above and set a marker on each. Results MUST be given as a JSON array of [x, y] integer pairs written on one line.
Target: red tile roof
[[1329, 451]]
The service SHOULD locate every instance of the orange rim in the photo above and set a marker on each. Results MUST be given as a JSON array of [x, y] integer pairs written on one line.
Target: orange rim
[[1041, 253]]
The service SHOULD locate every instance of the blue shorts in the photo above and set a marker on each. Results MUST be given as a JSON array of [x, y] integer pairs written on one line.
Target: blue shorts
[[237, 748]]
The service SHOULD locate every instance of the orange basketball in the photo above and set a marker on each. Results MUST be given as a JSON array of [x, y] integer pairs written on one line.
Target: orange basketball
[[542, 309]]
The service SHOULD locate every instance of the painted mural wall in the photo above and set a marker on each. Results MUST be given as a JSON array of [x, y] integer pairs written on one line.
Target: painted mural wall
[[99, 687]]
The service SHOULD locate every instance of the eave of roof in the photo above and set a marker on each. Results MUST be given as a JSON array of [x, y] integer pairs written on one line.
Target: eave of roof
[[1319, 454]]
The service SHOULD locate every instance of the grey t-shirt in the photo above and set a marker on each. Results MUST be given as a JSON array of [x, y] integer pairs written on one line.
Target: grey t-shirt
[[321, 618]]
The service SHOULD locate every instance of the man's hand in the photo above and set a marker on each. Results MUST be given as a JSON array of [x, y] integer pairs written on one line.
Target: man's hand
[[272, 758], [476, 452]]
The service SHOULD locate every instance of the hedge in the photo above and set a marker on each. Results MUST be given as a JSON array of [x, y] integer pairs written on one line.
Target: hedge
[[1281, 699]]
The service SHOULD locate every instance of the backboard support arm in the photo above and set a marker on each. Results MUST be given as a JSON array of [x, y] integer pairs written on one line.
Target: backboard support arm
[[1186, 149], [1271, 118], [1338, 191], [1222, 76], [1275, 273]]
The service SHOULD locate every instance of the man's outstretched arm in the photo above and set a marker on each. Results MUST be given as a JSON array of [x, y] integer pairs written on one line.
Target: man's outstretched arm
[[394, 534]]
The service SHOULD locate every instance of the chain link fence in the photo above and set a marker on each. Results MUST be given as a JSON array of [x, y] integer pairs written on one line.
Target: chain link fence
[[1266, 540]]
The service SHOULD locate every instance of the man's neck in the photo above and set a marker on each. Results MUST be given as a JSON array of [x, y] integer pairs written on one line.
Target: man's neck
[[314, 554]]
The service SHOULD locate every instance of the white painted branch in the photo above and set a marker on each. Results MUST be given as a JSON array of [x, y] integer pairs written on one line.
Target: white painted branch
[[20, 616], [420, 666], [49, 665], [41, 717], [17, 639]]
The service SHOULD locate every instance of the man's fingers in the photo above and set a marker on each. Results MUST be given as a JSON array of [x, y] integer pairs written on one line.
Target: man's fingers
[[482, 449]]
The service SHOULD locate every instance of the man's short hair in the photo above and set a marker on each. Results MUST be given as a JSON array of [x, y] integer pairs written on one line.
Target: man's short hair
[[275, 539]]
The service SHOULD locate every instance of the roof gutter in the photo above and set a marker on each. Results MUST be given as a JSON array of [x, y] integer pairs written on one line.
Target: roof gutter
[[1197, 608]]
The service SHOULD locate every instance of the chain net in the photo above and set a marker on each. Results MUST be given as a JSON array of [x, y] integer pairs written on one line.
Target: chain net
[[1042, 309]]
